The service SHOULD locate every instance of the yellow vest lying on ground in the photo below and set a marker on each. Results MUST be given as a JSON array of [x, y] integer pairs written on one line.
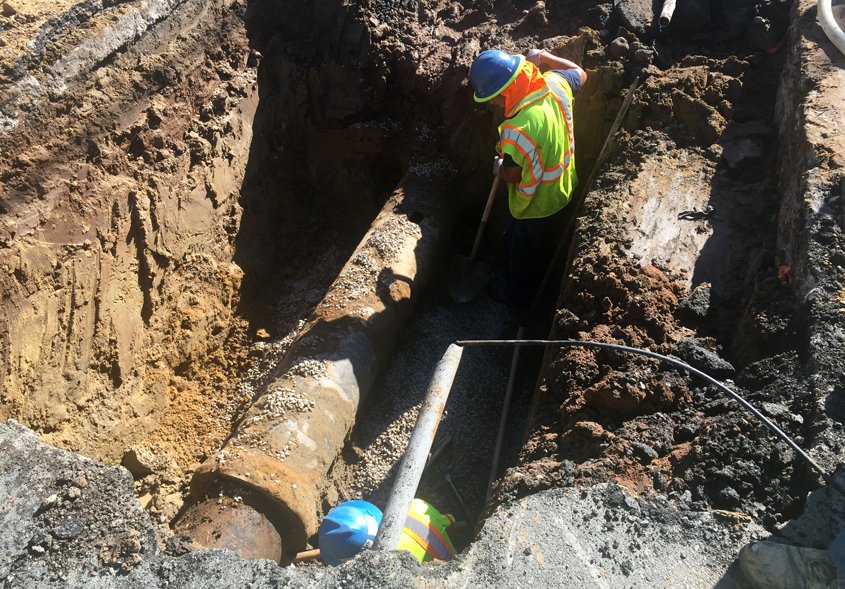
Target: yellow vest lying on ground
[[425, 534], [540, 138]]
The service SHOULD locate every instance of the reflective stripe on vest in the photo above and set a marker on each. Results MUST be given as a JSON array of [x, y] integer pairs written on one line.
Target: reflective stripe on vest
[[526, 146], [553, 85], [563, 100], [533, 97], [428, 537]]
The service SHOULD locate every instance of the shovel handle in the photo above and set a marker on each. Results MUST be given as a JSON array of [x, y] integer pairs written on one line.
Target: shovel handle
[[484, 218], [306, 556]]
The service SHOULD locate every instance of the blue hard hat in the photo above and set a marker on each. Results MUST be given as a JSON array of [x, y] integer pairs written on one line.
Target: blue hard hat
[[348, 528], [492, 71]]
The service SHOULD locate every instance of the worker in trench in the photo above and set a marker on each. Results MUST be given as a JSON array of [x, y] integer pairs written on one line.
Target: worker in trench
[[536, 156], [352, 526]]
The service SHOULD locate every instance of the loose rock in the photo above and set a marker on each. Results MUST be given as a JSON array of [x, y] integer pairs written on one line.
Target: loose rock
[[619, 47]]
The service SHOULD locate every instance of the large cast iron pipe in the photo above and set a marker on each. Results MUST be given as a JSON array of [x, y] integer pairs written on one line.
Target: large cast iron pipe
[[289, 438], [413, 462]]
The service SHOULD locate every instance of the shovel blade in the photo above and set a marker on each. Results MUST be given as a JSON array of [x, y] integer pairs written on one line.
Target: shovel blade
[[467, 278]]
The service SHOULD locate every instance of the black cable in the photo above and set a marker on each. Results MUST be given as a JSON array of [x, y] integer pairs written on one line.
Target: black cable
[[569, 343]]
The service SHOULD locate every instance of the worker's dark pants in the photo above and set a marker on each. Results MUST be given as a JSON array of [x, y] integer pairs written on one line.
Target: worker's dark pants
[[531, 244]]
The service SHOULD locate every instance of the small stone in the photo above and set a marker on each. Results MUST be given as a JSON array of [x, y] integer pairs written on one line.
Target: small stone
[[631, 503], [537, 14], [619, 47], [130, 562], [729, 496], [696, 305], [780, 412], [80, 481], [68, 528], [169, 505], [7, 9], [138, 461], [644, 452], [642, 56], [37, 550], [695, 351], [48, 502], [689, 429], [73, 493]]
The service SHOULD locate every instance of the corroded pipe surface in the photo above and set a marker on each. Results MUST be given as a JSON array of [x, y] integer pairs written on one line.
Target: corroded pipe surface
[[289, 438], [228, 524]]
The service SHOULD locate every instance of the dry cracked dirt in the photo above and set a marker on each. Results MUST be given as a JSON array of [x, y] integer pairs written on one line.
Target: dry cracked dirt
[[183, 181]]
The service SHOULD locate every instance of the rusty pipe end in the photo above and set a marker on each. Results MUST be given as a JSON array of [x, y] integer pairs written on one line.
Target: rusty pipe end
[[260, 492], [225, 523]]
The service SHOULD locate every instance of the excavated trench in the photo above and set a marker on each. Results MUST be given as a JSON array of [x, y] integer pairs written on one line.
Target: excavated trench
[[360, 316], [197, 288]]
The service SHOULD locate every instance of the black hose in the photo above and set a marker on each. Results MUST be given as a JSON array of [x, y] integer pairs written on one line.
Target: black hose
[[569, 343]]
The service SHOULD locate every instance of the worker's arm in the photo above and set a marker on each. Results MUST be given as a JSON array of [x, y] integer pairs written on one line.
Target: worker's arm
[[544, 58]]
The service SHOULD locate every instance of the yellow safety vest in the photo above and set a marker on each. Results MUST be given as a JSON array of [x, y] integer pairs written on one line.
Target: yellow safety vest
[[425, 535], [540, 138]]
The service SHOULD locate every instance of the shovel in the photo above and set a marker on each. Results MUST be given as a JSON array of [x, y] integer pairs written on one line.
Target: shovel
[[467, 278]]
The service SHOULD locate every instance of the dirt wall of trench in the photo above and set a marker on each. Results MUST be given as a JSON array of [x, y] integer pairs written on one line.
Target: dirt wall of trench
[[690, 245], [144, 192], [120, 200], [812, 217]]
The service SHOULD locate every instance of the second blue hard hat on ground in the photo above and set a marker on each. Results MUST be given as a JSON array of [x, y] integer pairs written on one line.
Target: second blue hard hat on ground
[[347, 529], [492, 71]]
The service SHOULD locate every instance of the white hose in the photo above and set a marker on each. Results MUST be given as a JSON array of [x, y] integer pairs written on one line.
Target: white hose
[[666, 13], [830, 26]]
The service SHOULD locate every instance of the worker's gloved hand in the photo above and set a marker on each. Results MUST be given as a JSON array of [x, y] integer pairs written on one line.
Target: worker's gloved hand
[[534, 56], [497, 165]]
